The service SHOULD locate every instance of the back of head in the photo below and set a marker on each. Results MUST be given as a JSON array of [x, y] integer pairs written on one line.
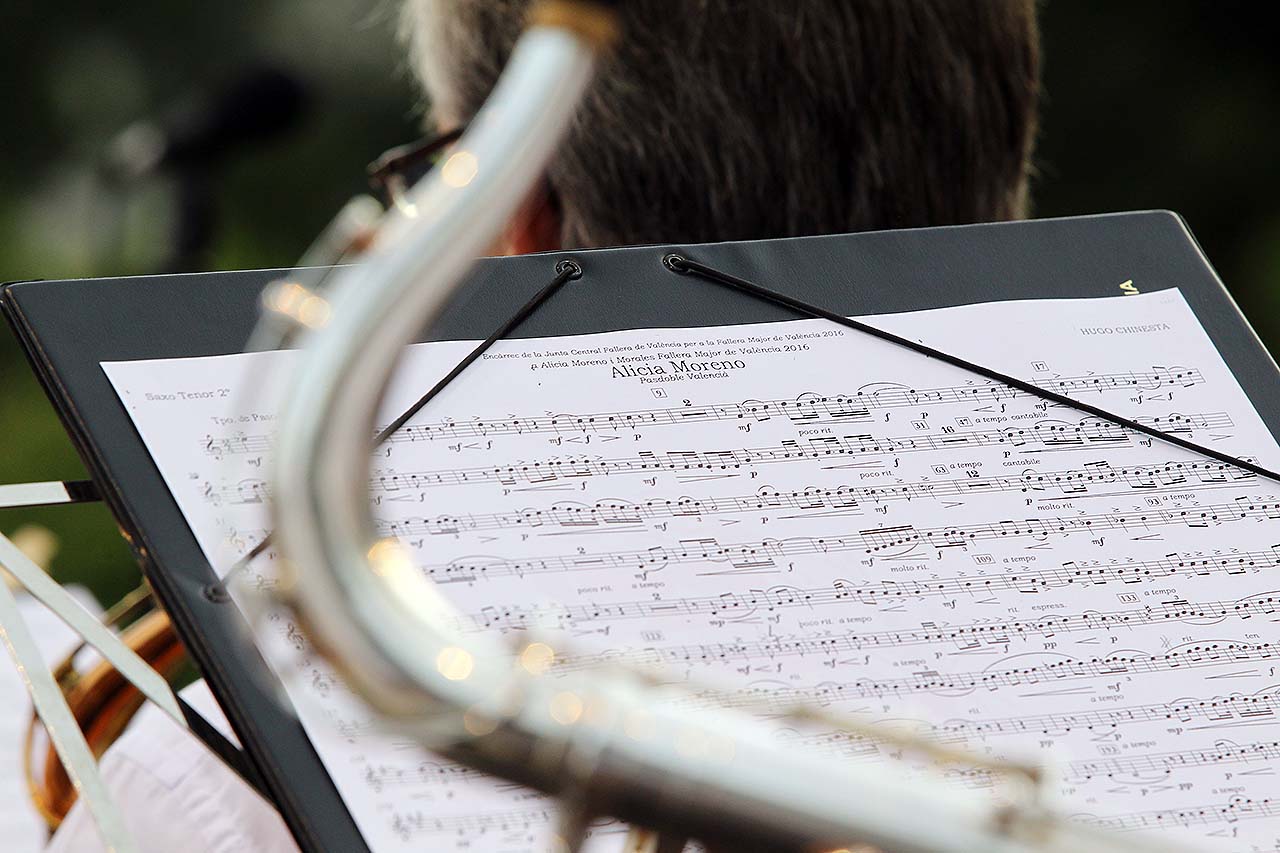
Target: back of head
[[726, 120]]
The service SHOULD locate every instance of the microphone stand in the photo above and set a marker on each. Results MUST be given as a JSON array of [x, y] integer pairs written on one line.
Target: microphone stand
[[196, 220]]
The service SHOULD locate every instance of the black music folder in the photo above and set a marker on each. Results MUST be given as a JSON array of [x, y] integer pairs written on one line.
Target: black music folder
[[68, 328]]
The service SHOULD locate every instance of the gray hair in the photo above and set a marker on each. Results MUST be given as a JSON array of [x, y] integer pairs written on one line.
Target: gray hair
[[724, 120]]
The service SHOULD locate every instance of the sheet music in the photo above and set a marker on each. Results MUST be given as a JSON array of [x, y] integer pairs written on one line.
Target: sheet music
[[803, 512]]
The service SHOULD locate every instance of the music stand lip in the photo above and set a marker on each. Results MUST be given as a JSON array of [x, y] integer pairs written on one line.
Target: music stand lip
[[48, 493]]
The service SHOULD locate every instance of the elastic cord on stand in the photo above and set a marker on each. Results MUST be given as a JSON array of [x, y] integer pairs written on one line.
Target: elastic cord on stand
[[566, 270], [683, 266], [221, 746]]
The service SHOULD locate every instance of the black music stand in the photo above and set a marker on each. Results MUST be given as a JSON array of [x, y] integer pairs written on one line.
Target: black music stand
[[68, 328]]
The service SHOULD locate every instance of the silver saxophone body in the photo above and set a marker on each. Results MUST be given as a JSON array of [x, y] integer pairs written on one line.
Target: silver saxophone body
[[609, 742]]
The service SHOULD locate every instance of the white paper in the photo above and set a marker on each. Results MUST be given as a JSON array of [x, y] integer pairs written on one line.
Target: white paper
[[804, 512]]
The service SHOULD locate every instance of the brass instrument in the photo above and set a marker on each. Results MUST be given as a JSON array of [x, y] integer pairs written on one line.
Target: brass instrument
[[102, 700]]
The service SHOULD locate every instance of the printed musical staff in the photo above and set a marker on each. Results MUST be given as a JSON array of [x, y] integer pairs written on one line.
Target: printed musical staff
[[1168, 763], [1137, 769], [383, 776], [1219, 711], [736, 605], [808, 408], [1097, 480], [767, 554], [1043, 436], [1057, 672], [412, 824], [1262, 707], [1237, 809], [971, 636]]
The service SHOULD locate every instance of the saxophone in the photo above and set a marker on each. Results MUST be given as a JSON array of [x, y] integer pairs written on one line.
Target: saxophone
[[607, 742]]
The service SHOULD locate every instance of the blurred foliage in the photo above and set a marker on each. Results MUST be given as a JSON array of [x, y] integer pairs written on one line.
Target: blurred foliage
[[1170, 105], [1149, 104], [78, 75]]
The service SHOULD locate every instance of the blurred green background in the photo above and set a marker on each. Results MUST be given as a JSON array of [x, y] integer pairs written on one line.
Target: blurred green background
[[1148, 104]]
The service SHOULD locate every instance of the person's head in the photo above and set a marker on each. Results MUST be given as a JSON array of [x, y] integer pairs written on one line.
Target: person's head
[[728, 120]]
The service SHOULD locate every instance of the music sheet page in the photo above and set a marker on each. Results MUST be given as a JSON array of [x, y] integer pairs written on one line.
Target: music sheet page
[[802, 512]]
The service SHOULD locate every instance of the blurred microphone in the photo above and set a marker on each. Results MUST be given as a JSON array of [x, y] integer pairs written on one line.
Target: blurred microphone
[[203, 129]]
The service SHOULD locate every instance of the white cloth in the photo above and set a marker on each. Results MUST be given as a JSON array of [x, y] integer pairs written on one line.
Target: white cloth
[[22, 830], [177, 796]]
